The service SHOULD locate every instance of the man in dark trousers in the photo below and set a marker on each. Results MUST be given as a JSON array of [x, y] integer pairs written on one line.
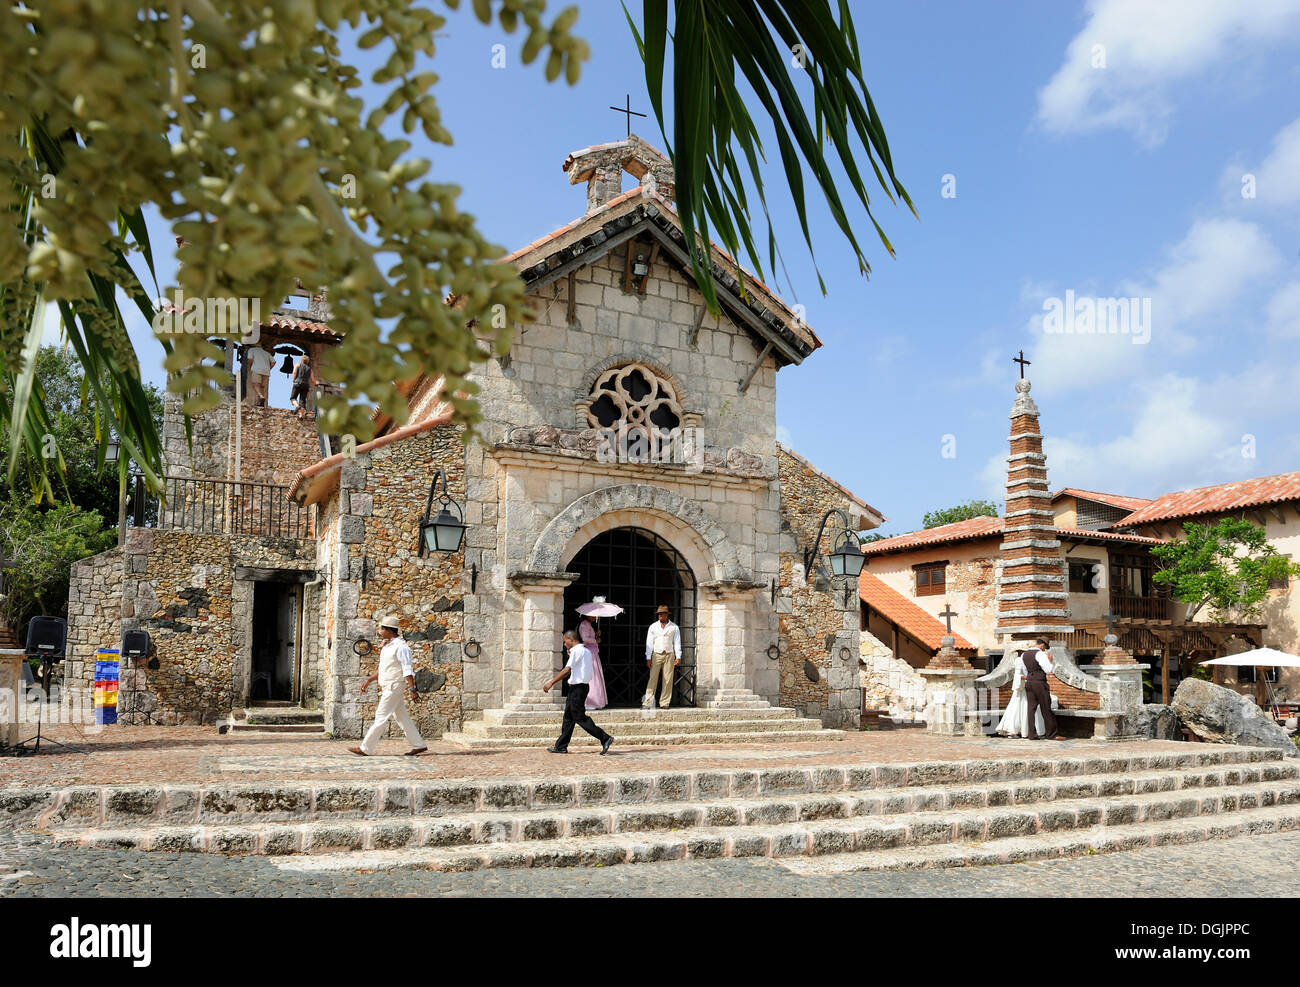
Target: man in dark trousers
[[578, 671], [1038, 665]]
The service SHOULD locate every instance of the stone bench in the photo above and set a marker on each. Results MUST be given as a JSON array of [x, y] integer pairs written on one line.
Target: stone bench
[[1105, 725]]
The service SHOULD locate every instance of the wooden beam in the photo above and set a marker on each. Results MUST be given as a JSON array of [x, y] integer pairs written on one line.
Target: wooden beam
[[693, 338], [627, 266], [744, 384], [649, 265], [572, 312], [584, 258]]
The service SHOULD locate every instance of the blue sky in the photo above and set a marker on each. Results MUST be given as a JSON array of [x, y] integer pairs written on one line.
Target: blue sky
[[1112, 172]]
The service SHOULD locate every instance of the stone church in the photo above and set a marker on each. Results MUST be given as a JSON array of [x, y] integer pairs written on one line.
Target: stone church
[[628, 451]]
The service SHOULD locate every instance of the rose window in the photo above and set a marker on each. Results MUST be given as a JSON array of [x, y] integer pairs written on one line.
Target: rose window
[[633, 395]]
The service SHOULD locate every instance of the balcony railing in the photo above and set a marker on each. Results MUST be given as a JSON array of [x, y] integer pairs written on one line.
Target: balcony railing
[[219, 507], [1141, 607]]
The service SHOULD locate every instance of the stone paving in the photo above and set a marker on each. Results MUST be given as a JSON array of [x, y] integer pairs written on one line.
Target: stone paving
[[161, 755], [1258, 866]]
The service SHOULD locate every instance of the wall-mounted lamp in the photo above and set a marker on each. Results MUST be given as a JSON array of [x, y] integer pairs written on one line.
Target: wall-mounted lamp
[[847, 560], [445, 532]]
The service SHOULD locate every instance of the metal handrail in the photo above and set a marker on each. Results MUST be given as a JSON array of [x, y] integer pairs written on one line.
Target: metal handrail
[[219, 507]]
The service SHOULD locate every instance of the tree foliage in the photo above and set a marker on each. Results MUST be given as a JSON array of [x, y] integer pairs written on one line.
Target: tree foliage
[[961, 512], [41, 544], [1226, 566], [241, 123]]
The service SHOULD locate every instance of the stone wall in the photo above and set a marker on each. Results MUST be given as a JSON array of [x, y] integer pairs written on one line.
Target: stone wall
[[371, 536], [182, 588], [820, 640], [275, 444], [890, 683]]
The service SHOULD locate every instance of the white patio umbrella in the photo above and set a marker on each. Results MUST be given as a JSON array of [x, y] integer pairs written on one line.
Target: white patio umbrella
[[1260, 657]]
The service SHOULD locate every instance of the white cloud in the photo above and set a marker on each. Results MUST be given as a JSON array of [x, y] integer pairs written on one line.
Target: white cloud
[[1146, 46], [1183, 433], [1201, 276], [1283, 312], [1277, 182]]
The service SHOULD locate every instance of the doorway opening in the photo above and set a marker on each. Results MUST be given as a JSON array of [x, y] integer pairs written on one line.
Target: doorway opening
[[276, 608], [638, 570]]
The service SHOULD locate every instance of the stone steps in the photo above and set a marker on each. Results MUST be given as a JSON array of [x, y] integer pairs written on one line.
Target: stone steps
[[812, 825], [582, 740], [549, 716], [631, 730], [849, 812], [277, 719]]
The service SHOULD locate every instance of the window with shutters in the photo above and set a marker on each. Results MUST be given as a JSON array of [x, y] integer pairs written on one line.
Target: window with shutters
[[930, 578]]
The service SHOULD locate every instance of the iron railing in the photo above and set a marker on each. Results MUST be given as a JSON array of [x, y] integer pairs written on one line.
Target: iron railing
[[218, 507]]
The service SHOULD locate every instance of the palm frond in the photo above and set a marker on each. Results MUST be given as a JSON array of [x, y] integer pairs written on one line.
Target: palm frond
[[714, 42]]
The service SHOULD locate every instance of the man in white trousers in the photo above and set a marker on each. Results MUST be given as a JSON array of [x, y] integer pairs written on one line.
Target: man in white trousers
[[395, 673]]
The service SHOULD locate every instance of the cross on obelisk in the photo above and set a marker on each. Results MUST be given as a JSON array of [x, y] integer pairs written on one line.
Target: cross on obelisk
[[1110, 625], [1023, 363], [629, 112], [947, 613]]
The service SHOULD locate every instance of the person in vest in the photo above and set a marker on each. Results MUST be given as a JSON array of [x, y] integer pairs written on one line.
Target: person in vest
[[300, 391], [394, 676], [1038, 665], [578, 671], [663, 653]]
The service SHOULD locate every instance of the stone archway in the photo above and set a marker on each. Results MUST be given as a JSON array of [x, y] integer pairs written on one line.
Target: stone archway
[[683, 521], [703, 543]]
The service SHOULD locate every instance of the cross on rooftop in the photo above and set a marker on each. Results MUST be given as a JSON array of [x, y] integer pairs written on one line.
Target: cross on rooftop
[[628, 111], [947, 613], [1023, 363]]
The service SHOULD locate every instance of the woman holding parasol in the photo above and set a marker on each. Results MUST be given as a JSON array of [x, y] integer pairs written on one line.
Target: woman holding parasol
[[589, 632]]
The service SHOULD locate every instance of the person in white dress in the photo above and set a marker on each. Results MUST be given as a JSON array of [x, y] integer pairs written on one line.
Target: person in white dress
[[1015, 719]]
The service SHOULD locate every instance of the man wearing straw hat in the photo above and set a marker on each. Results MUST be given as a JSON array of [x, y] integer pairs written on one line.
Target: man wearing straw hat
[[663, 653], [394, 672]]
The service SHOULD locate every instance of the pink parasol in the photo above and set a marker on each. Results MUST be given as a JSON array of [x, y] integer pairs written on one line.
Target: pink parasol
[[599, 608]]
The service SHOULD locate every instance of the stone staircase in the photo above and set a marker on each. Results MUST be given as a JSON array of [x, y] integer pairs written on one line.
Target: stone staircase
[[532, 719], [273, 717], [816, 818]]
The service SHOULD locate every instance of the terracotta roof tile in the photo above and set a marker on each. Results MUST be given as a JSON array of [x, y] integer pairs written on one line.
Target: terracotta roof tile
[[986, 527], [923, 626], [1234, 496], [1114, 500]]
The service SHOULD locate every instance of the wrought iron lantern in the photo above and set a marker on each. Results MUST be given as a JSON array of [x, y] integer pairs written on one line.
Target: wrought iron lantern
[[112, 449], [847, 559], [445, 532]]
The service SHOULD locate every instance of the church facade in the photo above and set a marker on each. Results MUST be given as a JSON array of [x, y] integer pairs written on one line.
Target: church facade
[[628, 450]]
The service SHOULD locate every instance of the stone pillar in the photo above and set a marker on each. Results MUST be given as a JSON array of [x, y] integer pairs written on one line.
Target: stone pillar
[[11, 694], [950, 693], [530, 665], [1121, 690], [1032, 589], [728, 603]]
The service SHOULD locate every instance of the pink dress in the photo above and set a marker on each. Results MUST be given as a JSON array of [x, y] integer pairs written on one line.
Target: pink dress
[[596, 697]]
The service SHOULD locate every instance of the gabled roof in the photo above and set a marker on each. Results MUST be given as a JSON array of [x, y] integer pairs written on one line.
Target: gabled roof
[[923, 626], [976, 528], [867, 513], [1223, 497], [752, 305], [1114, 500]]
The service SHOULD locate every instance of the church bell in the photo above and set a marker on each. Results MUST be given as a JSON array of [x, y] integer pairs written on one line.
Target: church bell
[[287, 366]]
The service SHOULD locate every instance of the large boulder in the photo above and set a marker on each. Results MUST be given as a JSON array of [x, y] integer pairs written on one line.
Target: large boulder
[[1155, 722], [1221, 716]]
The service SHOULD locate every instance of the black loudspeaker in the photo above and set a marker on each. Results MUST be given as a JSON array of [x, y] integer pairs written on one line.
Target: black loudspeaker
[[135, 644], [46, 637]]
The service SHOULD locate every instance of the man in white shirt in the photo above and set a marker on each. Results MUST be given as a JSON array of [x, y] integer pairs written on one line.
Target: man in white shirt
[[1038, 665], [663, 653], [578, 671], [259, 373], [395, 672]]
